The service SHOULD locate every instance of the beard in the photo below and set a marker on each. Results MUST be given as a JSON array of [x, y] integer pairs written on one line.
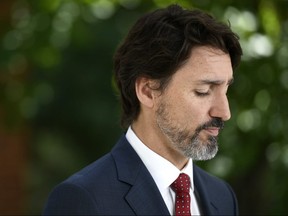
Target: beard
[[181, 138]]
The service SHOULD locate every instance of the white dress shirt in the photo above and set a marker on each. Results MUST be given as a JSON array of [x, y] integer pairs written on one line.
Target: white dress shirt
[[163, 172]]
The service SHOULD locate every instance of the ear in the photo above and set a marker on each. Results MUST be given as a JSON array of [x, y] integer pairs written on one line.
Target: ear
[[144, 91]]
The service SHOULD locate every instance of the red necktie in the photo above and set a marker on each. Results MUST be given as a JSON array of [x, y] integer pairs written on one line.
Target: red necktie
[[181, 186]]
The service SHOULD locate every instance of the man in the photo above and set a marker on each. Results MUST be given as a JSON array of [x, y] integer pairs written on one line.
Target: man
[[173, 71]]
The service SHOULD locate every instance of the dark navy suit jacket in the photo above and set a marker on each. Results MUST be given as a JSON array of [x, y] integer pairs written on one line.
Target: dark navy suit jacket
[[120, 184]]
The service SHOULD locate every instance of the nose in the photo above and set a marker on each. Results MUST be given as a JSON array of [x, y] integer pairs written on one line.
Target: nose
[[220, 108]]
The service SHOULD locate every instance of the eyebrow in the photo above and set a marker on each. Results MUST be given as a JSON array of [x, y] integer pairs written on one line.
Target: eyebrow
[[215, 82]]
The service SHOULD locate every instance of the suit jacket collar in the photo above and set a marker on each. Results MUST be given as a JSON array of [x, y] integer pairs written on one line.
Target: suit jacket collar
[[207, 206], [143, 197]]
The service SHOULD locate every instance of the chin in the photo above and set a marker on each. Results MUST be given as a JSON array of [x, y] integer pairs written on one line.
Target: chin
[[202, 150]]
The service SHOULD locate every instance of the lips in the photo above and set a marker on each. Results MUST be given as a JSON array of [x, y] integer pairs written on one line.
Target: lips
[[213, 131]]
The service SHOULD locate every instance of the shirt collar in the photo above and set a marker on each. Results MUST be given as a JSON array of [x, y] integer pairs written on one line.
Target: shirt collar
[[163, 171]]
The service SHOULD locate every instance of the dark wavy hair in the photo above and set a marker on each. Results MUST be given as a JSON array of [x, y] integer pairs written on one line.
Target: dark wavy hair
[[159, 43]]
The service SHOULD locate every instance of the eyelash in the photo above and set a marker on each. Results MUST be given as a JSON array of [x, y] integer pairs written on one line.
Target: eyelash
[[201, 94]]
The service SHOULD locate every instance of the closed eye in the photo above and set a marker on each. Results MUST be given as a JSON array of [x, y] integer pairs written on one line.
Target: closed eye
[[201, 94]]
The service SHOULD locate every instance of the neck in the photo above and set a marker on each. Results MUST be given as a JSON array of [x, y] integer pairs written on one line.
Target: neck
[[154, 139]]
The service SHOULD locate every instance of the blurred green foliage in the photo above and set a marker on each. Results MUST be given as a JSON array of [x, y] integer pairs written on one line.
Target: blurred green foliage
[[56, 78]]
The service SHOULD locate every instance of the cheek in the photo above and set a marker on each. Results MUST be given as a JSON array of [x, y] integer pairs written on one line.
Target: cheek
[[193, 112], [186, 110]]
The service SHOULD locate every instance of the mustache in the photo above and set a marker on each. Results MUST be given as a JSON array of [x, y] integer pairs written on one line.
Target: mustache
[[214, 122]]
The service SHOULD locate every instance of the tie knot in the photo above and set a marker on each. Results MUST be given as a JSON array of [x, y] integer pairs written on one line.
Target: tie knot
[[181, 184]]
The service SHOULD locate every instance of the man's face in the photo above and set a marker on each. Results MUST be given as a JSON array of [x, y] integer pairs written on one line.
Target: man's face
[[190, 112]]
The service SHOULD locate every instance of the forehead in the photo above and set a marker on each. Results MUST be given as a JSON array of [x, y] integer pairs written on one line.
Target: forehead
[[206, 63]]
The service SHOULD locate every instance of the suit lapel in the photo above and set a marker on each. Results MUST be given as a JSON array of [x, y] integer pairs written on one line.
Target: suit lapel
[[207, 206], [143, 197]]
